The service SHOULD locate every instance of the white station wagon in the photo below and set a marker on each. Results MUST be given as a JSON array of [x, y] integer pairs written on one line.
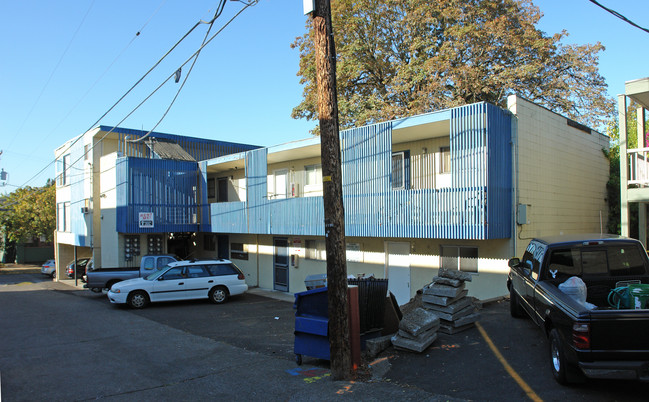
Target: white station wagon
[[215, 280]]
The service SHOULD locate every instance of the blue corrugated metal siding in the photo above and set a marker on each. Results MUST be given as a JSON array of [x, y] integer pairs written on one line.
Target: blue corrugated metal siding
[[499, 177], [201, 149], [204, 207], [167, 188], [257, 191], [477, 206]]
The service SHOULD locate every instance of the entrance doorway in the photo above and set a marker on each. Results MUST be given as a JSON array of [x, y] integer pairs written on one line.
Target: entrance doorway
[[280, 264], [397, 263], [223, 247]]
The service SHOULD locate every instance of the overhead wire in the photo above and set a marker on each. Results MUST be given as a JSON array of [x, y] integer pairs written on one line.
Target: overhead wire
[[618, 15], [119, 55], [133, 87], [205, 43]]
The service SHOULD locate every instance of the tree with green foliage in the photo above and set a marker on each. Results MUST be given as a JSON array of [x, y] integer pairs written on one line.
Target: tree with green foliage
[[613, 184], [397, 58], [29, 213]]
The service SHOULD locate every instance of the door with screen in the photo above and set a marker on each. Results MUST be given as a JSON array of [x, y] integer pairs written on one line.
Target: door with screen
[[280, 263]]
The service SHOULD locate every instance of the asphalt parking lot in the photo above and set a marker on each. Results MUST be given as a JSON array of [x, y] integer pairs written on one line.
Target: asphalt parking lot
[[60, 343]]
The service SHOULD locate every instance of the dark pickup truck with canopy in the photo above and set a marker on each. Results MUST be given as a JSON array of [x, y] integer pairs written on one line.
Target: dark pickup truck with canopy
[[605, 333]]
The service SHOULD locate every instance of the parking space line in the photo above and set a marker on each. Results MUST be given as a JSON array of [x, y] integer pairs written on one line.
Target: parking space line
[[521, 383]]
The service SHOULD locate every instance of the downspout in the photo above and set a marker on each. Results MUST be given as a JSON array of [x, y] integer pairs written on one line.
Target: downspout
[[514, 144]]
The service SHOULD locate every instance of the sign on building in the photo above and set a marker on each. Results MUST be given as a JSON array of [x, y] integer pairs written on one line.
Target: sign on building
[[146, 220]]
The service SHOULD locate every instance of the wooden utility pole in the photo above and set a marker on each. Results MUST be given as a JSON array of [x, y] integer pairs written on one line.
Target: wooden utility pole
[[334, 213]]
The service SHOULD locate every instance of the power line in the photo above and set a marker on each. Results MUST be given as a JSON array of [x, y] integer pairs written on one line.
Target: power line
[[620, 16], [122, 98], [193, 56], [119, 55]]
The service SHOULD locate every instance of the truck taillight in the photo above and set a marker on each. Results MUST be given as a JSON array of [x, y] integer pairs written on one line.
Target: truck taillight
[[581, 336]]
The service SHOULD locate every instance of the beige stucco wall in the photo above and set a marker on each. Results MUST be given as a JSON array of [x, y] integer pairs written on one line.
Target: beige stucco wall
[[562, 174], [424, 262]]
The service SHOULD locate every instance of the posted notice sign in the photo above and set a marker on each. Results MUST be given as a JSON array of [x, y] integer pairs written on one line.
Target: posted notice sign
[[146, 220]]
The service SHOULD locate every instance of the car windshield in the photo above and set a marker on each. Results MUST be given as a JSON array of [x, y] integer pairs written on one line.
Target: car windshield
[[157, 273]]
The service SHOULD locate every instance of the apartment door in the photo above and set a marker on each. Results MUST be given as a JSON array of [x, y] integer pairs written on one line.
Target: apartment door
[[222, 195], [281, 183], [397, 263], [223, 247], [280, 264]]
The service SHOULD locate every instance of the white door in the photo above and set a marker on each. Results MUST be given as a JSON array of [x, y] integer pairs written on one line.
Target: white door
[[397, 263], [281, 183]]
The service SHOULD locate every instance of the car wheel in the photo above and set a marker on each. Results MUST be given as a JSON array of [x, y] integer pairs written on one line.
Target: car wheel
[[298, 359], [515, 308], [557, 358], [110, 284], [219, 295], [138, 299], [53, 274]]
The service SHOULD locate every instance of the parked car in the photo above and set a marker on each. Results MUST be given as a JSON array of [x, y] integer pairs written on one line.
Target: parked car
[[81, 268], [569, 285], [49, 268], [215, 280]]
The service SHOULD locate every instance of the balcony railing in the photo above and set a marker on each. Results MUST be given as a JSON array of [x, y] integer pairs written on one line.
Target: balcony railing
[[638, 167]]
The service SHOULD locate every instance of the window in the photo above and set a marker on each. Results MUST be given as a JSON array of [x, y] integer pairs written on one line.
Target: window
[[314, 250], [238, 251], [313, 175], [60, 217], [173, 273], [164, 261], [354, 253], [222, 269], [62, 166], [401, 170], [196, 271], [625, 261], [211, 188], [148, 262], [445, 159], [460, 258]]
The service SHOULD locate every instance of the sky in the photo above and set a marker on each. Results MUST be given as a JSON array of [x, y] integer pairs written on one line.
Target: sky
[[65, 63]]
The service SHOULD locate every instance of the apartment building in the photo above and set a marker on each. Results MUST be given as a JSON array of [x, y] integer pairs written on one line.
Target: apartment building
[[463, 188]]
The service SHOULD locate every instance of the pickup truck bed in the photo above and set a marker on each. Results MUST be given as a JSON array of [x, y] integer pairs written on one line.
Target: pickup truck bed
[[604, 342]]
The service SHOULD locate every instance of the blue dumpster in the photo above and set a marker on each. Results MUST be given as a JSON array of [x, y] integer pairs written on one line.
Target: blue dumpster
[[311, 324]]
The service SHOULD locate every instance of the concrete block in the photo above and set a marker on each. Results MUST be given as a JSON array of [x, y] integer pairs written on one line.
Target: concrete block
[[454, 316], [411, 345], [467, 319], [375, 346], [451, 308], [444, 329], [418, 321], [446, 281], [454, 274], [421, 337], [443, 290], [443, 301]]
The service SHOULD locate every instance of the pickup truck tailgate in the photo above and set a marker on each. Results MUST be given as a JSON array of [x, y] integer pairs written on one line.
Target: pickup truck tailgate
[[628, 330]]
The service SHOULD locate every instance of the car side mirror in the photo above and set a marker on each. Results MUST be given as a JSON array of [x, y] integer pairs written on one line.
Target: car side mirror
[[514, 262]]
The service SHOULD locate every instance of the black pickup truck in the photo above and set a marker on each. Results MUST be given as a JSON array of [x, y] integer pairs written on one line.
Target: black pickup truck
[[589, 338]]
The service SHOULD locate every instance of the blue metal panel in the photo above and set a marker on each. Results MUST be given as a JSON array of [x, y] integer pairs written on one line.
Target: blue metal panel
[[257, 191], [167, 188], [477, 206], [199, 148], [500, 181], [204, 207]]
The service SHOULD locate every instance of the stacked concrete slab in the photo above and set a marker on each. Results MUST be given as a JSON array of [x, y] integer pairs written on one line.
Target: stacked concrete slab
[[417, 330], [447, 297]]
